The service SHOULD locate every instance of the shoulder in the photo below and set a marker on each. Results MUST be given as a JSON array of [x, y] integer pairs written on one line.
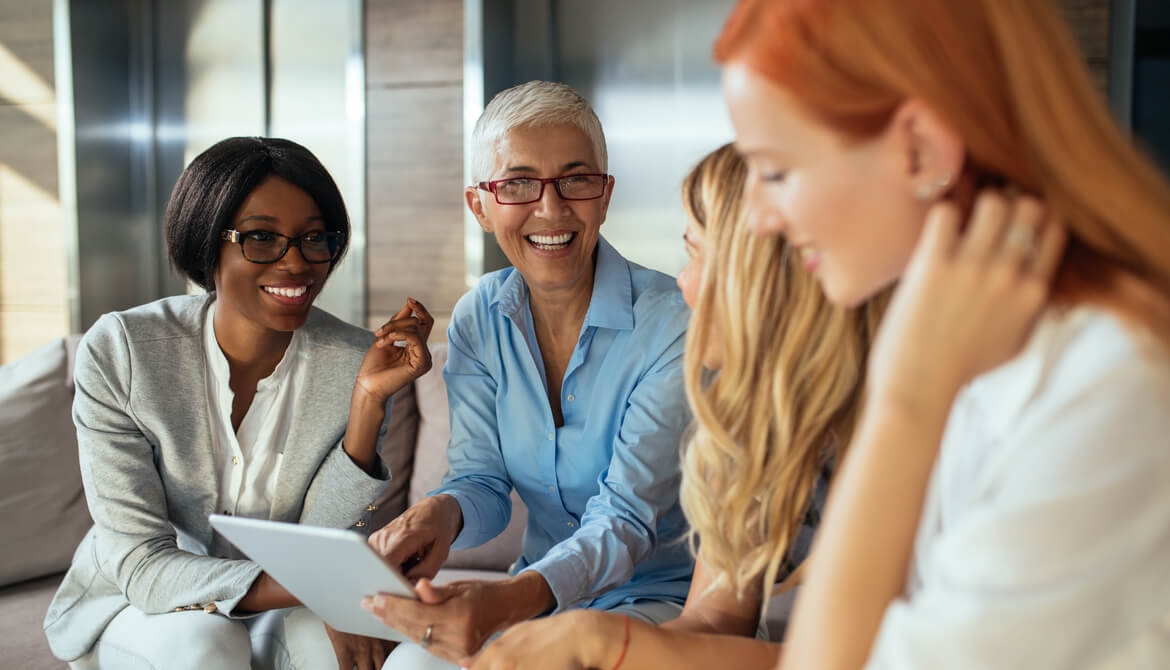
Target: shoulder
[[475, 310], [657, 302], [1087, 388], [176, 316], [325, 330]]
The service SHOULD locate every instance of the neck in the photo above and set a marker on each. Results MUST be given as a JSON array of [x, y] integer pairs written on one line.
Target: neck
[[559, 312], [249, 348]]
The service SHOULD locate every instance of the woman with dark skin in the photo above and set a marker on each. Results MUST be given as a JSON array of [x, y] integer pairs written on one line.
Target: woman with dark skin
[[230, 402]]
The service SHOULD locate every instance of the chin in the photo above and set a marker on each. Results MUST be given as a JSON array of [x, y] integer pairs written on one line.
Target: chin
[[843, 293]]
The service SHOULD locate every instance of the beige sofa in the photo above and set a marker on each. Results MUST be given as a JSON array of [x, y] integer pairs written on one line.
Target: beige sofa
[[42, 506], [43, 513]]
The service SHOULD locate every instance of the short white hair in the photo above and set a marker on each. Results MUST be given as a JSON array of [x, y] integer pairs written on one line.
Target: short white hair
[[533, 104]]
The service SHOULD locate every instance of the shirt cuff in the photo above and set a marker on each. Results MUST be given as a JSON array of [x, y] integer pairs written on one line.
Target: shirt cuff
[[239, 587], [471, 534], [566, 575]]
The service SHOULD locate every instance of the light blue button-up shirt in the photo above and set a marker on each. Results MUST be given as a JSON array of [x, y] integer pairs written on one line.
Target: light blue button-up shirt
[[604, 526]]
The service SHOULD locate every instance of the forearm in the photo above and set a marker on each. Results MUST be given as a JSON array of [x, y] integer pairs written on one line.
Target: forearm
[[697, 622], [667, 647], [366, 415], [523, 597], [860, 562], [266, 594]]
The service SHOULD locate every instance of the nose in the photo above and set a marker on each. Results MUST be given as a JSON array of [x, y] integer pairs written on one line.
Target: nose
[[293, 261], [551, 205]]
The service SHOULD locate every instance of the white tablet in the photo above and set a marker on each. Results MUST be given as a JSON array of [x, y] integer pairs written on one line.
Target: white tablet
[[328, 569]]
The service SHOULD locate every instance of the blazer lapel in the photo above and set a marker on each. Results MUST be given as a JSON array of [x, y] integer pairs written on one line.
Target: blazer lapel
[[320, 414]]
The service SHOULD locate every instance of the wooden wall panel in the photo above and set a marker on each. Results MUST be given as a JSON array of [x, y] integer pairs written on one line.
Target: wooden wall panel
[[410, 42], [414, 140], [33, 306], [1090, 23]]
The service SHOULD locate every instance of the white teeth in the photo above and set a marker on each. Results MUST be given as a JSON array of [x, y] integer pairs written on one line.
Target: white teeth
[[550, 240], [287, 292]]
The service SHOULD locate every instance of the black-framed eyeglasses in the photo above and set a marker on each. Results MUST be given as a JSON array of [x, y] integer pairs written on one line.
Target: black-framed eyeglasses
[[525, 190], [265, 246]]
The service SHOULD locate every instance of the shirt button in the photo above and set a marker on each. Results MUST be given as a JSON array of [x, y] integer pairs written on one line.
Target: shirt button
[[571, 397], [571, 524], [550, 436], [552, 489], [235, 460]]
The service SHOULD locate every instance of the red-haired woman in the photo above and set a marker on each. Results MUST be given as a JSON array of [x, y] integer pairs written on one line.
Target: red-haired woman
[[1006, 498]]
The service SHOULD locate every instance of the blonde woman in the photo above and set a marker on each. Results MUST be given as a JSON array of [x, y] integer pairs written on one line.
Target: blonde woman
[[1006, 499], [769, 425]]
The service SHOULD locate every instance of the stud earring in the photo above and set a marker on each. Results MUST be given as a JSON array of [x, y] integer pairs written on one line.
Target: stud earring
[[931, 190]]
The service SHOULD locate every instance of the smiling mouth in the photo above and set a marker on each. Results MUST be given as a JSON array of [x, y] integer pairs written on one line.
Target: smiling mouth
[[288, 295], [287, 292], [551, 242]]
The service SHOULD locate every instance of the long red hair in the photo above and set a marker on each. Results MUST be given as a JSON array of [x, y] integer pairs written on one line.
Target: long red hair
[[1009, 78]]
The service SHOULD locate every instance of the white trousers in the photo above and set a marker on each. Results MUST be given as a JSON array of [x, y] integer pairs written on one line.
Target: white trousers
[[287, 639], [413, 657]]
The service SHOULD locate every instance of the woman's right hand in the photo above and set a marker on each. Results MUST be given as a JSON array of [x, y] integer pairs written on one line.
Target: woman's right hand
[[419, 540]]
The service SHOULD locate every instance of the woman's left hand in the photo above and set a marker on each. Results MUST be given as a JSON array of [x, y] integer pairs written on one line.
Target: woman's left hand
[[568, 640], [450, 621], [389, 366], [367, 653], [968, 301]]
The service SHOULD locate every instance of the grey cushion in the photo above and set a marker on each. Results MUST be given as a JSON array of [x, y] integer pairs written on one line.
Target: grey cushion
[[43, 514], [398, 453]]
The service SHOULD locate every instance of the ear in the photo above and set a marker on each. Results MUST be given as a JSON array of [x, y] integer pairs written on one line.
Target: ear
[[605, 198], [932, 151], [475, 204]]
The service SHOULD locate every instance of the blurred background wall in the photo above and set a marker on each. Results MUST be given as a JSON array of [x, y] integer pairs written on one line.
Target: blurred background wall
[[102, 102]]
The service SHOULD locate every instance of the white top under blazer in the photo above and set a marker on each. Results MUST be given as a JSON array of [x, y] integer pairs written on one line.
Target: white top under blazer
[[1045, 535]]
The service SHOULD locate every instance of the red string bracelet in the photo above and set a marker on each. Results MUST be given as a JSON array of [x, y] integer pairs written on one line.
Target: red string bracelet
[[625, 645]]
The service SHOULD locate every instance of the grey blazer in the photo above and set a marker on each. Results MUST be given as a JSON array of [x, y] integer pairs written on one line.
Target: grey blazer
[[144, 437]]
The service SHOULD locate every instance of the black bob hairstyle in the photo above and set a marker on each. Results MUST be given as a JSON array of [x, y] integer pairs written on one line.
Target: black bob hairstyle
[[212, 188]]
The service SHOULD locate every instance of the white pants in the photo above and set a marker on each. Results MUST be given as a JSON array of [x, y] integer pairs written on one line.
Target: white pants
[[414, 657], [287, 639]]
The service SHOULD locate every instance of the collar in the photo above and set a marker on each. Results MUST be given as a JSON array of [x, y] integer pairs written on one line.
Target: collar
[[611, 305], [219, 364]]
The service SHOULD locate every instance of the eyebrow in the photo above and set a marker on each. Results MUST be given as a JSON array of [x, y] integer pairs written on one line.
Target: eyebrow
[[529, 169]]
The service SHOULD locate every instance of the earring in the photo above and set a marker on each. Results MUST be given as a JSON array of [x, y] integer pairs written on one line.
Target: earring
[[931, 190]]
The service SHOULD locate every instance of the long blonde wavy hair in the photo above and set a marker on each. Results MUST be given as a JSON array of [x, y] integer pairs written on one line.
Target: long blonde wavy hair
[[783, 404]]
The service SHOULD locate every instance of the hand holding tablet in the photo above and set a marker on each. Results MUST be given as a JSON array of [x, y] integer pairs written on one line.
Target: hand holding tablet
[[329, 570]]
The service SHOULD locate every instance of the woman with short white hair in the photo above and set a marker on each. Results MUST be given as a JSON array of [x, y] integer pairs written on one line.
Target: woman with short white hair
[[565, 382]]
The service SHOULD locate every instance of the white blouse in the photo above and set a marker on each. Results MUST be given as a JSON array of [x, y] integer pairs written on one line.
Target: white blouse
[[248, 461], [1045, 535]]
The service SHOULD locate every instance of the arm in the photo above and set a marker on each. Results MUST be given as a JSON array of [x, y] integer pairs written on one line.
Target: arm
[[619, 528], [595, 639], [477, 478], [473, 505], [135, 541], [965, 305], [353, 475], [718, 610]]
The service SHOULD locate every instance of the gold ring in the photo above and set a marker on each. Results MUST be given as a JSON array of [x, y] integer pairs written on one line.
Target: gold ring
[[426, 638], [1021, 239]]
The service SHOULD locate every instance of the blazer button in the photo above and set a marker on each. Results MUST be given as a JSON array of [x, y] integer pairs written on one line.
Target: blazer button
[[210, 608], [360, 524], [371, 508]]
